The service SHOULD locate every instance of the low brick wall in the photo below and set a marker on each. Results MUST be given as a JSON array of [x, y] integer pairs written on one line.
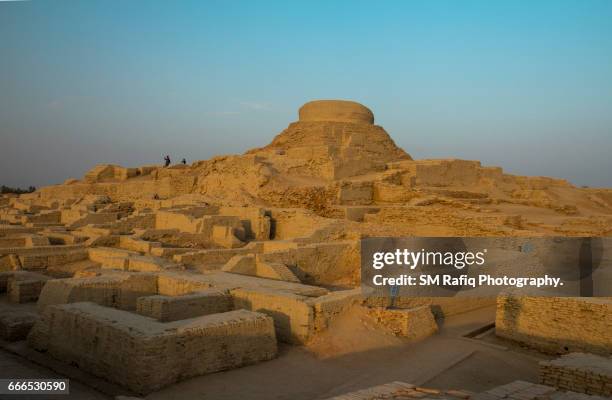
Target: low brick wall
[[38, 250], [52, 257], [330, 306], [415, 323], [174, 308], [579, 372], [556, 325], [22, 286], [134, 244], [293, 316], [145, 355], [120, 290], [111, 258], [517, 390], [25, 291], [521, 390], [385, 391], [208, 257], [15, 325]]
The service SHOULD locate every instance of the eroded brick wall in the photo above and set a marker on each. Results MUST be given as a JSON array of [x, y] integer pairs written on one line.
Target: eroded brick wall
[[579, 372], [146, 355], [556, 325]]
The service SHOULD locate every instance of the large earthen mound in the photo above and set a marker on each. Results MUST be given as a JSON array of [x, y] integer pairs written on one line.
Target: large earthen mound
[[333, 139]]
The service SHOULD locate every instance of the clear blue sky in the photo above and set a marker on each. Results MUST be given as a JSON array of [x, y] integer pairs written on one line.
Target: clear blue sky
[[526, 85]]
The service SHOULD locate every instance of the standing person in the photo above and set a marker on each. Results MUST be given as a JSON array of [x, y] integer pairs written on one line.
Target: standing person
[[166, 160], [184, 161]]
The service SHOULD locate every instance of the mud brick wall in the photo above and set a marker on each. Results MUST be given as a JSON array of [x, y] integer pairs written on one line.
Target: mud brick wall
[[579, 372], [15, 325], [331, 305], [36, 250], [111, 258], [182, 184], [125, 190], [391, 193], [293, 316], [23, 291], [145, 355], [41, 258], [291, 223], [149, 264], [133, 244], [530, 391], [12, 242], [119, 291], [95, 218], [256, 221], [5, 278], [355, 193], [321, 263], [169, 308], [447, 172], [415, 324], [170, 284], [128, 224], [208, 257], [50, 217], [556, 325], [386, 391]]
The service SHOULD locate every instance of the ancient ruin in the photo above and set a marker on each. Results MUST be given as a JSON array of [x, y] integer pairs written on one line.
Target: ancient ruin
[[147, 276]]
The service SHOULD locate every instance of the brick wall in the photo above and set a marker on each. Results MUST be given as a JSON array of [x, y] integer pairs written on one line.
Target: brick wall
[[173, 308], [145, 355], [556, 325], [579, 372]]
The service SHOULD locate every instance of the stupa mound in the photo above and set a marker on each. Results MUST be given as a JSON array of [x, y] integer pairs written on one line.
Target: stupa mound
[[334, 139], [336, 110]]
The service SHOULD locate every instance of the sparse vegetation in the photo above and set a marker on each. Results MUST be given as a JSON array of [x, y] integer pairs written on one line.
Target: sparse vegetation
[[7, 189]]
